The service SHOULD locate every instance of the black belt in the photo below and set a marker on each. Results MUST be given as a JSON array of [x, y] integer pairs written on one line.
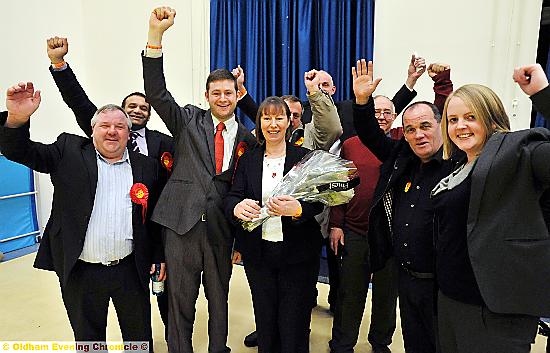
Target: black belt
[[109, 263], [421, 275]]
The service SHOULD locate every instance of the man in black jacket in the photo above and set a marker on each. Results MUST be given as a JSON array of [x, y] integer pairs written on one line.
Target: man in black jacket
[[401, 218], [98, 240], [148, 142]]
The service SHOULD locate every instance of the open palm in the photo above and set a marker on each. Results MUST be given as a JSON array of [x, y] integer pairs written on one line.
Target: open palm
[[21, 101], [363, 82]]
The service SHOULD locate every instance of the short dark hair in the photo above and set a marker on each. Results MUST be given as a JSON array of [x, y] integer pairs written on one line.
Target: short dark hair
[[271, 105], [220, 75], [433, 107], [139, 94], [292, 98]]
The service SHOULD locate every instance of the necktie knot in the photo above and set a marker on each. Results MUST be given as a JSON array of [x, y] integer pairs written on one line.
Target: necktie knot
[[220, 127], [133, 141]]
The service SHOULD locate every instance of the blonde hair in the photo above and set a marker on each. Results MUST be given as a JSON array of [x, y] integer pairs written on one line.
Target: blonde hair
[[486, 107]]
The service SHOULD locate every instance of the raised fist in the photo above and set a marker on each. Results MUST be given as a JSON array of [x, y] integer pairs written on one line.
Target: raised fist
[[57, 48]]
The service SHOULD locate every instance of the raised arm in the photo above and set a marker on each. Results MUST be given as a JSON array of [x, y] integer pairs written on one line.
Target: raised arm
[[154, 81], [22, 101], [71, 91], [325, 126], [533, 81], [443, 86], [367, 127], [246, 103], [405, 95]]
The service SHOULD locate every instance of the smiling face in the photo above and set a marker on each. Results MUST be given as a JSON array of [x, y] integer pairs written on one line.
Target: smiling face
[[110, 134], [422, 131], [465, 129], [222, 98], [138, 110], [274, 127]]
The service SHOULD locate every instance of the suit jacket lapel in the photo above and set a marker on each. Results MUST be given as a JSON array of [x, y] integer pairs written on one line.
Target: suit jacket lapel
[[255, 173], [90, 160], [479, 177], [208, 128], [241, 132], [137, 177], [153, 144]]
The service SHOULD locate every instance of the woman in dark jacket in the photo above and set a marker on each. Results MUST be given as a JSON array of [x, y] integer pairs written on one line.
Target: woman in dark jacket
[[492, 239], [281, 256]]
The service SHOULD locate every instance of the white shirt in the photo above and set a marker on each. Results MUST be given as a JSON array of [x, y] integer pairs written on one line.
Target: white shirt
[[141, 141], [273, 169], [229, 136], [109, 235]]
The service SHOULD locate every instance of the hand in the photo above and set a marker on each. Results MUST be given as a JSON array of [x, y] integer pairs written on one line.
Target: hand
[[21, 102], [247, 210], [236, 258], [417, 67], [437, 68], [283, 206], [160, 20], [57, 48], [363, 83], [311, 80], [531, 78], [163, 274], [336, 238], [238, 73]]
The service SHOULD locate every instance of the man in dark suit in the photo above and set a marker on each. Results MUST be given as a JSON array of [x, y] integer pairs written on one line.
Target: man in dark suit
[[143, 140], [198, 236], [146, 141], [99, 239]]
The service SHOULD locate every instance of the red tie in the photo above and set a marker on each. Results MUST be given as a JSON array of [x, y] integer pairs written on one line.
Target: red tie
[[218, 147]]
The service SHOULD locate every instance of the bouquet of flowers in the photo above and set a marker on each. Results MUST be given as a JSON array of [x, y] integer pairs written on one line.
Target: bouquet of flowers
[[319, 176]]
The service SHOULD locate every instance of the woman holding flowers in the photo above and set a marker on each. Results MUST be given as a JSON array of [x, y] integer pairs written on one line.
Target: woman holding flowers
[[281, 257]]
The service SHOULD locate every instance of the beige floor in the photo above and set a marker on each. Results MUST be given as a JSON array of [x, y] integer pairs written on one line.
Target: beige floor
[[31, 309]]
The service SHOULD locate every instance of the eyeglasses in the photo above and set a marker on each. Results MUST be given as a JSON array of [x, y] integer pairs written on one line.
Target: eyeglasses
[[387, 114]]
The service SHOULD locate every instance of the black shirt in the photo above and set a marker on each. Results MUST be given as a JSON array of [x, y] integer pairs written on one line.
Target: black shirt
[[412, 221], [454, 272]]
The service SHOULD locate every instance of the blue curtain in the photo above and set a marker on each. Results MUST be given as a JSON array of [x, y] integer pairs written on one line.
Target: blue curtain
[[539, 120], [18, 214], [276, 41]]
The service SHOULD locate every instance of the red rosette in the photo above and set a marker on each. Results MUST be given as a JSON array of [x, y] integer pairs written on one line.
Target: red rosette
[[139, 194], [167, 161], [241, 148], [239, 151]]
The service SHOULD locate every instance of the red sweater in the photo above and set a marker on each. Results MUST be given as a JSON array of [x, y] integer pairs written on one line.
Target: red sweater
[[355, 214]]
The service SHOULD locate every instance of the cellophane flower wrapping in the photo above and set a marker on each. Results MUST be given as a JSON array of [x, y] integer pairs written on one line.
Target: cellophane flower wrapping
[[320, 176]]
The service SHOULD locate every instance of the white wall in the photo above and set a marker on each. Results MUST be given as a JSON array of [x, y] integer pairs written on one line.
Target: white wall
[[482, 40], [105, 40]]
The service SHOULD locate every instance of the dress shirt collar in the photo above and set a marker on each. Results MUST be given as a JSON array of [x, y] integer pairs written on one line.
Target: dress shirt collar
[[125, 157], [230, 123]]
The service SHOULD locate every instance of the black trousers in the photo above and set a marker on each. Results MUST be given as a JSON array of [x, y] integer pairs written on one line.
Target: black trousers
[[465, 328], [282, 295], [86, 298], [417, 309], [384, 305]]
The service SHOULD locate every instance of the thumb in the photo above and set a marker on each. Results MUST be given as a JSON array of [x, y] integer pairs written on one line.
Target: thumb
[[376, 82]]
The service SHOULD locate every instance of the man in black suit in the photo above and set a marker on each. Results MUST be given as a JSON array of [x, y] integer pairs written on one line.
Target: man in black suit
[[99, 239], [148, 142], [198, 238]]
